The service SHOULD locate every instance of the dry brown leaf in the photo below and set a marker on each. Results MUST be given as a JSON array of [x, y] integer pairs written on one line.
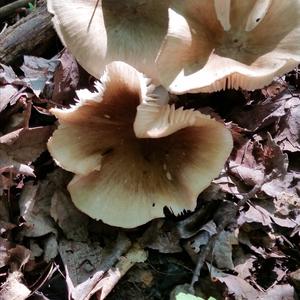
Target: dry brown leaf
[[5, 223], [7, 74], [194, 244], [13, 288], [160, 238], [112, 277], [279, 292], [288, 135], [86, 264], [50, 246], [253, 161], [260, 115], [222, 250], [5, 245], [239, 287], [66, 78], [243, 265], [18, 257], [38, 71], [82, 260], [21, 147], [68, 217], [255, 214], [236, 286], [8, 96], [35, 203]]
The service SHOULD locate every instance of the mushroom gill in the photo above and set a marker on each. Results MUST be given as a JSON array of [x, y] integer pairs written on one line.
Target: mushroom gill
[[133, 156], [213, 45], [131, 31]]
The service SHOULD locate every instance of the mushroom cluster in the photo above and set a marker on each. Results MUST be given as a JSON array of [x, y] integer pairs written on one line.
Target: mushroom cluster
[[132, 153], [133, 156], [213, 45], [187, 46]]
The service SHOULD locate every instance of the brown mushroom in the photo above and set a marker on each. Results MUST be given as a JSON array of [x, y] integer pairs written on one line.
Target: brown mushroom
[[133, 156], [213, 45], [131, 31]]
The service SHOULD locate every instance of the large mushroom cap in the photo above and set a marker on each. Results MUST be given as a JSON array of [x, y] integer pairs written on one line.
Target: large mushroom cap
[[132, 156], [213, 45], [131, 31]]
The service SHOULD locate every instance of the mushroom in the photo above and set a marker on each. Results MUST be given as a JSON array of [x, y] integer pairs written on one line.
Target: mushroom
[[213, 45], [133, 156], [112, 30]]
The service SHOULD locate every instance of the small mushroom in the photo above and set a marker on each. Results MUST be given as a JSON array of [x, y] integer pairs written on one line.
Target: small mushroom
[[131, 31], [133, 156], [213, 45]]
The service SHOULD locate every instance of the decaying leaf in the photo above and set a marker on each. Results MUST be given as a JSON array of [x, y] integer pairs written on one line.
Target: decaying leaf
[[239, 287], [289, 127], [279, 292], [21, 147], [68, 217], [260, 115], [13, 288], [161, 238], [86, 265], [194, 244], [8, 96], [38, 71], [5, 245], [66, 78], [35, 203], [222, 251]]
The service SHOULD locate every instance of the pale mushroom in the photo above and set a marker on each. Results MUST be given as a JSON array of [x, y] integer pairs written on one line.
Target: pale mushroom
[[132, 156], [131, 31], [213, 45]]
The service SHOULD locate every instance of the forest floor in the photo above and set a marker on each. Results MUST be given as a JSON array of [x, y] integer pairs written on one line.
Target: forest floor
[[241, 242]]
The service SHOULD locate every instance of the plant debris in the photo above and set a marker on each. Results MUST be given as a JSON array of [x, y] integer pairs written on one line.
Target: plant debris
[[241, 242]]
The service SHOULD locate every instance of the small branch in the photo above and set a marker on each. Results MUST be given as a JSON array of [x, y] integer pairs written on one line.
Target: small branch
[[11, 8], [27, 114], [33, 32]]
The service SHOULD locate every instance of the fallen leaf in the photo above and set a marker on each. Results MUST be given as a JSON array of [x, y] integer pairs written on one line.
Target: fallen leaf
[[239, 287], [72, 222], [38, 71], [35, 203], [222, 250], [255, 214], [162, 239], [279, 292], [194, 244], [18, 257], [8, 96], [7, 74], [66, 78], [198, 221], [288, 135], [81, 259], [21, 147], [262, 114], [50, 246], [5, 245], [86, 264], [13, 288], [112, 276], [294, 278], [243, 265]]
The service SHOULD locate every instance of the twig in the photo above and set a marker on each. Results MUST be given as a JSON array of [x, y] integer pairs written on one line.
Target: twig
[[10, 8], [27, 114], [32, 33]]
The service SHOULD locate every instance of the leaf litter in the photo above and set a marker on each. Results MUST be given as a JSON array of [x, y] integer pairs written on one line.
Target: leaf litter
[[251, 249]]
